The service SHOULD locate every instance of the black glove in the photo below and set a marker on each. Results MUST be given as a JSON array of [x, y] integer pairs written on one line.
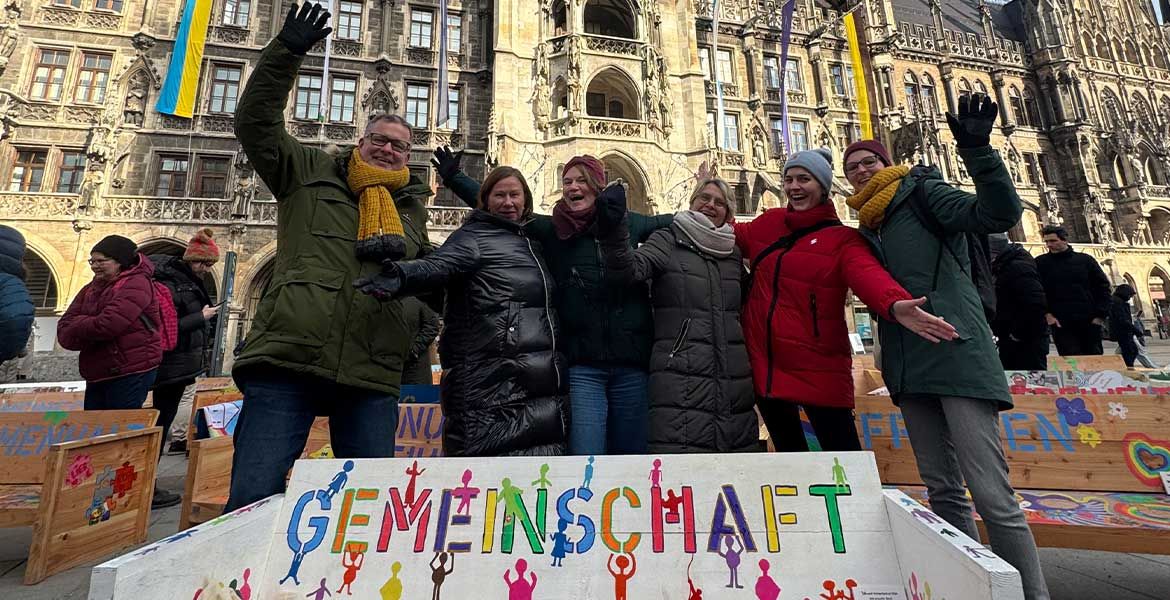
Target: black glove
[[972, 128], [383, 286], [446, 162], [303, 30], [611, 207]]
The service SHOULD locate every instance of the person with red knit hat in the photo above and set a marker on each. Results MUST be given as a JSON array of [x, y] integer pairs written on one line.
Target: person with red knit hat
[[607, 330], [186, 279]]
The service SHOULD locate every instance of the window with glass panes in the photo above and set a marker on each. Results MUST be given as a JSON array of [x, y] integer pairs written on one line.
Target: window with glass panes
[[418, 105], [421, 23], [929, 104], [211, 177], [453, 108], [772, 72], [92, 78], [113, 5], [237, 12], [49, 74], [705, 63], [848, 133], [341, 101], [28, 172], [731, 132], [71, 173], [1017, 103], [793, 79], [172, 176], [454, 33], [798, 132], [850, 82], [349, 20], [837, 78], [308, 105], [777, 127], [70, 3], [225, 88], [1032, 109], [726, 67]]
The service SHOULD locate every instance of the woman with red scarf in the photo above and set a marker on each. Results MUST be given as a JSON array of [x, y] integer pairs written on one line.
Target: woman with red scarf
[[803, 263]]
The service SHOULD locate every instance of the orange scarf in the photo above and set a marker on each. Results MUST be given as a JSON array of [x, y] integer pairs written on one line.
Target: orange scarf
[[380, 234], [871, 201]]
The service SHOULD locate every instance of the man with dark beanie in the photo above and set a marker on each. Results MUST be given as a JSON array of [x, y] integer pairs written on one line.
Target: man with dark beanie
[[115, 322]]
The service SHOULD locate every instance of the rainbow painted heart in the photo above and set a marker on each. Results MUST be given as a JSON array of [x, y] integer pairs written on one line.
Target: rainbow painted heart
[[1146, 458]]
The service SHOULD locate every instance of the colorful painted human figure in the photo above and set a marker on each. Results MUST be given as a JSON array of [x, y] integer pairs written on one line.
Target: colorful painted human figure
[[766, 587], [656, 474], [543, 481], [392, 589], [926, 516], [588, 473], [732, 556], [295, 567], [352, 566], [620, 576], [245, 591], [520, 589], [439, 572], [839, 479], [320, 592], [560, 543], [510, 496], [845, 593], [465, 493], [671, 504], [696, 593], [414, 472], [339, 480]]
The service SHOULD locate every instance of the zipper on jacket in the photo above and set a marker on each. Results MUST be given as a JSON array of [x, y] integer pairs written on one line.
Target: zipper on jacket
[[681, 340], [812, 304], [771, 316], [547, 306], [604, 297]]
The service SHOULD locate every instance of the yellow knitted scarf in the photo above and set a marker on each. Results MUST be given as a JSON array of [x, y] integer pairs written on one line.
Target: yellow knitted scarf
[[380, 234], [871, 202]]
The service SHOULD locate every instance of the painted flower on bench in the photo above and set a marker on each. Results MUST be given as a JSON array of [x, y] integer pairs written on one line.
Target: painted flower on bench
[[1074, 411], [1119, 410], [1089, 436]]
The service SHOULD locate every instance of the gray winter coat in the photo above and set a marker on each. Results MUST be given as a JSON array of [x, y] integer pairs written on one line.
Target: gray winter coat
[[700, 389]]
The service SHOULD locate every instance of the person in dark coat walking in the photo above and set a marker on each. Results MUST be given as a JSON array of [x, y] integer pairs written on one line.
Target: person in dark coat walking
[[700, 379], [180, 366], [426, 324], [115, 322], [16, 306], [1019, 325], [1121, 327], [1078, 295], [505, 392]]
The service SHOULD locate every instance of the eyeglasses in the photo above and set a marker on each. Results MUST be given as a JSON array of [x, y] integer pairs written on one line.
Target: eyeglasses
[[380, 140], [868, 162], [98, 261], [704, 199]]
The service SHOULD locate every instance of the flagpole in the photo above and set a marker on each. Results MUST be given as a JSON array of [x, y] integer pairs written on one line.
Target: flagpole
[[785, 41], [323, 113], [715, 67], [442, 114]]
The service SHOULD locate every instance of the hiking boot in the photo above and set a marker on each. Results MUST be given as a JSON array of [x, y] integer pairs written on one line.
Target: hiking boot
[[177, 447], [164, 499]]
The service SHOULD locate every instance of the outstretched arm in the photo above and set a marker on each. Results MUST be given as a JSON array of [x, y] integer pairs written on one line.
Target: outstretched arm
[[458, 256]]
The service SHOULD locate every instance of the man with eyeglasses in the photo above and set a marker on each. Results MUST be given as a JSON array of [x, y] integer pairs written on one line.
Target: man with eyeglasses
[[318, 347]]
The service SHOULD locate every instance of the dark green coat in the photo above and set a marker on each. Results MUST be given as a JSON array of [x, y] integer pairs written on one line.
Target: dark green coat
[[311, 320], [603, 325], [969, 366]]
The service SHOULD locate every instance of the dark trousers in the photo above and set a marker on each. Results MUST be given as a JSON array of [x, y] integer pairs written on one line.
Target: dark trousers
[[123, 393], [1024, 355], [274, 421], [166, 401], [834, 427], [1077, 338]]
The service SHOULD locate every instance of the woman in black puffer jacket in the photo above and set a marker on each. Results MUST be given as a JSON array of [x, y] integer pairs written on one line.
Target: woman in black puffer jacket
[[506, 391]]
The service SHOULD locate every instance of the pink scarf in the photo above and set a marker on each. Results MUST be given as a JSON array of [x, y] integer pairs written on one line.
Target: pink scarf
[[571, 223]]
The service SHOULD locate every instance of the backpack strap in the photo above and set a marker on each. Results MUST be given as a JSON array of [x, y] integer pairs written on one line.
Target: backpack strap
[[921, 209], [784, 243]]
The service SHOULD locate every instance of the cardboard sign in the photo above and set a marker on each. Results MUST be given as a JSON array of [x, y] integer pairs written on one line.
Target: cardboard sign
[[694, 526]]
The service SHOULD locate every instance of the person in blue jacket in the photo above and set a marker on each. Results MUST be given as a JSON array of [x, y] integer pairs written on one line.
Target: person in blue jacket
[[16, 305]]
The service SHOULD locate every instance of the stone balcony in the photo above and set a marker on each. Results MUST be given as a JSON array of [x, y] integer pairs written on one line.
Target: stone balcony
[[599, 127]]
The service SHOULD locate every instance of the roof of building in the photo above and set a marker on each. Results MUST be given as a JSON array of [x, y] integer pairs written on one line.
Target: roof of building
[[963, 16]]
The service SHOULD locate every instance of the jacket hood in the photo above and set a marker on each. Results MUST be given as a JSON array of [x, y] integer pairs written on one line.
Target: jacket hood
[[1124, 291], [173, 268], [1010, 253]]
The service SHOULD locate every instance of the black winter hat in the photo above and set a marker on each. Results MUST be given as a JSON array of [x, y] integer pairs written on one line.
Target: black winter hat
[[11, 251], [123, 250]]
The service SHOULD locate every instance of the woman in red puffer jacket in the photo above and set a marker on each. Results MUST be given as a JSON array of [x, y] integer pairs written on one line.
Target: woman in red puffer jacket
[[804, 262], [115, 321]]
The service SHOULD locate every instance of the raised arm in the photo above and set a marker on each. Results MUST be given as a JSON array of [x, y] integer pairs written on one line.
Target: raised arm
[[641, 226], [446, 164], [259, 119]]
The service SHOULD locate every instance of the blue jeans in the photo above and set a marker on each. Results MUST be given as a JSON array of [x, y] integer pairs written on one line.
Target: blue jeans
[[609, 410], [274, 422], [119, 394]]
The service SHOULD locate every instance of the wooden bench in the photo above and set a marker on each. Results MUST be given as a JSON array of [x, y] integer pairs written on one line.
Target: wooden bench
[[1102, 362], [82, 479], [209, 467], [1085, 467], [42, 401]]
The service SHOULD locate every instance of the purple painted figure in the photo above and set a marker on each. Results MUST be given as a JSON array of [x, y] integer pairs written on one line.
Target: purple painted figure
[[465, 494], [319, 593], [731, 555]]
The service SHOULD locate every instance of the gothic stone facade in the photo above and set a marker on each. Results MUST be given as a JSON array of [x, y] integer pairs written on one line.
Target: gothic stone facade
[[1083, 87]]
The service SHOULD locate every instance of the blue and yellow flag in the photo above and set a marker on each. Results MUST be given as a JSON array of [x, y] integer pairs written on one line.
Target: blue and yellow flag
[[182, 82]]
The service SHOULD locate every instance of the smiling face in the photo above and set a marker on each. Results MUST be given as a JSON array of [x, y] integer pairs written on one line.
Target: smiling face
[[506, 200], [860, 167], [802, 189], [711, 202], [386, 145], [577, 189], [103, 266]]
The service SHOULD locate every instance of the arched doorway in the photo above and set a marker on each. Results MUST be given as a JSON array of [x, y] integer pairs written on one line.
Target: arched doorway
[[611, 18], [256, 290], [1138, 305], [1159, 285], [612, 94], [41, 283], [173, 248], [618, 166]]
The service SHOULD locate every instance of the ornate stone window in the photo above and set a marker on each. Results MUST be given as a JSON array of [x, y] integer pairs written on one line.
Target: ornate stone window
[[172, 175], [72, 171], [342, 99], [349, 20], [421, 27], [418, 105], [211, 177], [28, 172], [93, 77], [237, 12], [225, 88], [308, 104], [49, 74], [611, 18]]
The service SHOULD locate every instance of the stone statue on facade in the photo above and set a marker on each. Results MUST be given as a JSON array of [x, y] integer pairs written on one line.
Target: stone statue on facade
[[541, 105], [1051, 206], [541, 61], [7, 108], [134, 107], [243, 193], [759, 148], [575, 56], [492, 149], [91, 186], [9, 34], [102, 141], [1135, 164]]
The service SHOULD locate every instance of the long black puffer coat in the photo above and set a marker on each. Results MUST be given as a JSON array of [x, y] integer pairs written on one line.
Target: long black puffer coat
[[185, 362], [701, 397], [506, 392]]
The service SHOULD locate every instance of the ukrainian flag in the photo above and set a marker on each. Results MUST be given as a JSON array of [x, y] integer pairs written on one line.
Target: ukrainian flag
[[182, 82]]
